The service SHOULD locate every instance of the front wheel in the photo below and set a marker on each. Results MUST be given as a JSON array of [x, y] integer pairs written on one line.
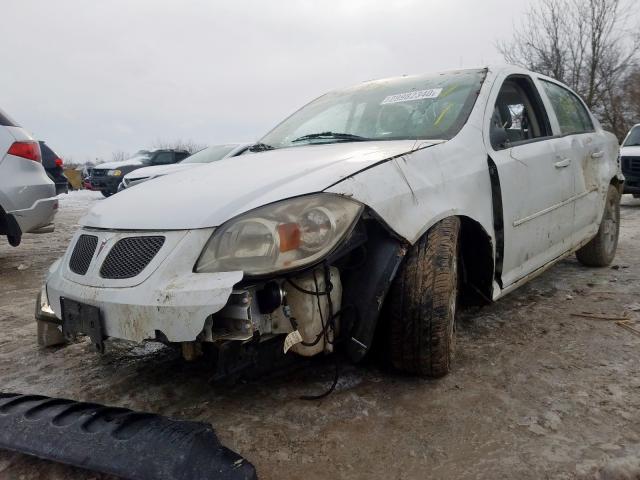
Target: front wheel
[[422, 303], [601, 250], [106, 193]]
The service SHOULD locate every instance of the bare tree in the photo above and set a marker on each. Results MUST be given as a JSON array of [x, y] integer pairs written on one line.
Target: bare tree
[[188, 145], [119, 155], [591, 45]]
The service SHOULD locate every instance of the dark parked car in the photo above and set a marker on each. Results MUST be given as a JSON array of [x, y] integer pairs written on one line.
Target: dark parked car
[[107, 176], [52, 163]]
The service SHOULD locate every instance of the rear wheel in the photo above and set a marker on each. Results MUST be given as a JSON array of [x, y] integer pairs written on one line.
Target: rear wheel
[[422, 303], [601, 250]]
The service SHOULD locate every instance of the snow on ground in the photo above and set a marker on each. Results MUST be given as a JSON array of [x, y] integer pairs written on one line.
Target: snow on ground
[[537, 390], [78, 198]]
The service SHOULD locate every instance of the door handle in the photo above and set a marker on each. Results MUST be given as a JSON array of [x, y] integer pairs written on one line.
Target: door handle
[[597, 154], [565, 162]]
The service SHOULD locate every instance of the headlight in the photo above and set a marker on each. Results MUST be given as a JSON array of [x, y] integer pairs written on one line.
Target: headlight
[[282, 236], [114, 173]]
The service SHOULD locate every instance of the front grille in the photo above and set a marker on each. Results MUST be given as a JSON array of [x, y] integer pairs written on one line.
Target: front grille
[[631, 165], [98, 173], [130, 256], [83, 253]]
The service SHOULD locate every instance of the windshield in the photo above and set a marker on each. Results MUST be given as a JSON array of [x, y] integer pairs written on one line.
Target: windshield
[[416, 107], [633, 139], [210, 154]]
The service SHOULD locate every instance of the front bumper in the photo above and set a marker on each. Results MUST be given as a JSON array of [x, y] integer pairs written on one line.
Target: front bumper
[[166, 298], [108, 183]]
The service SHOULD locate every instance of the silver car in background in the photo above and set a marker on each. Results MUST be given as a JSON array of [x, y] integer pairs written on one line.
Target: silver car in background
[[28, 200], [204, 156]]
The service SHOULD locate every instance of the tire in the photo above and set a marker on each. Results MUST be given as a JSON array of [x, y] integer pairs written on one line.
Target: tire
[[14, 240], [106, 193], [601, 250], [422, 303]]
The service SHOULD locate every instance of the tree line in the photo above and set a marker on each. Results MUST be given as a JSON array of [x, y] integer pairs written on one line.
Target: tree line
[[590, 45]]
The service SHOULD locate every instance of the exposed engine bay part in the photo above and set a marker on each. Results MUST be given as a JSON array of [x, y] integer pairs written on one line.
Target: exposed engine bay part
[[307, 303], [116, 441]]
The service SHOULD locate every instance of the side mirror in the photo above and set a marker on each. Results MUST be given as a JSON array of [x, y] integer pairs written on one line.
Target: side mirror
[[499, 138]]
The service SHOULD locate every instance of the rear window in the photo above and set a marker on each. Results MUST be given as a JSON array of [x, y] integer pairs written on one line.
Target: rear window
[[48, 155], [6, 120]]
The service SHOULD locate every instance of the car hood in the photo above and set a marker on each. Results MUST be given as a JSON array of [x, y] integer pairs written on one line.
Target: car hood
[[630, 151], [158, 170], [210, 195], [132, 162]]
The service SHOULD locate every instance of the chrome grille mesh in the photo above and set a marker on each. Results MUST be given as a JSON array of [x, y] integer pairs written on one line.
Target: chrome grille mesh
[[83, 253], [130, 256]]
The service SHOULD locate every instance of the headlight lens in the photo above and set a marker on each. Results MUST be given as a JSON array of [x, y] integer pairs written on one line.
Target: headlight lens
[[114, 173], [282, 236]]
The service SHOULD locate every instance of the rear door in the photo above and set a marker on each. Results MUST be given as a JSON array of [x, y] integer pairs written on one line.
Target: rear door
[[584, 151], [536, 189]]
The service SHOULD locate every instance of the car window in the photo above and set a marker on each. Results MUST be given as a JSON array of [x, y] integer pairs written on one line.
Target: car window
[[6, 121], [162, 158], [571, 113], [518, 115], [48, 155], [633, 139], [412, 107]]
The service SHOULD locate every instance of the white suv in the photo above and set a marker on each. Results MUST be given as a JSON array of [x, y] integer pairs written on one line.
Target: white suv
[[27, 196]]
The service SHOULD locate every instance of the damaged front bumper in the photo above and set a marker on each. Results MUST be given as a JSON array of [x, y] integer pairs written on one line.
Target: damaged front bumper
[[175, 309], [164, 300]]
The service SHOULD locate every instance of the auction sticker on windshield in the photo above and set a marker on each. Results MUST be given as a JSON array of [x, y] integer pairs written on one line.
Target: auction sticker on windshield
[[415, 95]]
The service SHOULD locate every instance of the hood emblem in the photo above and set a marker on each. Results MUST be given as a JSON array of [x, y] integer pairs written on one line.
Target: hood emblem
[[102, 244]]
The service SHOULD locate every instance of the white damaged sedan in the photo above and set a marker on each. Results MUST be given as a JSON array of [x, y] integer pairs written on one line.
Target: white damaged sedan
[[375, 208]]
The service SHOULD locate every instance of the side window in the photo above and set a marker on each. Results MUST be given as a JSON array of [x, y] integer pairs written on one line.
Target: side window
[[572, 116], [181, 156], [163, 158], [519, 115]]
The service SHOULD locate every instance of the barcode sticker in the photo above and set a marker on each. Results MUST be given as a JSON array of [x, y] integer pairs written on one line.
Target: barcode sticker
[[415, 95]]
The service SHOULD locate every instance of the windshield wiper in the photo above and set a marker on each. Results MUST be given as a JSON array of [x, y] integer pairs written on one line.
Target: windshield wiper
[[331, 135], [260, 147]]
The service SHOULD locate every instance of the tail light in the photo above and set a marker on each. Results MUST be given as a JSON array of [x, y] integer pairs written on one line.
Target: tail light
[[58, 162], [28, 150]]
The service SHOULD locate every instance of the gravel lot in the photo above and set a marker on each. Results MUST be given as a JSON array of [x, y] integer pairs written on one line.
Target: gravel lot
[[536, 391]]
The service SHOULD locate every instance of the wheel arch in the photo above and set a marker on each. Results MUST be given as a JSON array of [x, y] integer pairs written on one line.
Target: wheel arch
[[368, 289], [478, 262], [618, 182]]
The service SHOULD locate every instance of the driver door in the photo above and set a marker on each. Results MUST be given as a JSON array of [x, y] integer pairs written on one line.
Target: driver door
[[536, 187]]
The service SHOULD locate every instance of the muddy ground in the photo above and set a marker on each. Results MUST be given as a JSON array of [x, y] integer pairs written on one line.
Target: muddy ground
[[536, 392]]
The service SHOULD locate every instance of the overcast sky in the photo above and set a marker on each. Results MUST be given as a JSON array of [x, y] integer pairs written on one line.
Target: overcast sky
[[94, 77]]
